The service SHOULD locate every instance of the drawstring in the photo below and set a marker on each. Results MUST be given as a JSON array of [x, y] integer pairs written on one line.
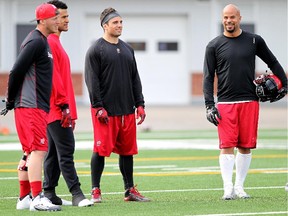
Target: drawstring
[[122, 120]]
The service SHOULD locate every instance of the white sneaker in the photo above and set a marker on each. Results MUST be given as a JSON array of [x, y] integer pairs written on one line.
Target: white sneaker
[[42, 203], [24, 203], [240, 193], [57, 200], [228, 193], [66, 202], [85, 203]]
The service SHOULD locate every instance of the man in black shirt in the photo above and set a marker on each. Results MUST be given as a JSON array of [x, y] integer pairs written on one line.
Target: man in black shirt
[[115, 92], [29, 89], [231, 57]]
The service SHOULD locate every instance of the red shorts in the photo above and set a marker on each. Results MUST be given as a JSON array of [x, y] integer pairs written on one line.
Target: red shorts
[[31, 125], [118, 136], [239, 125]]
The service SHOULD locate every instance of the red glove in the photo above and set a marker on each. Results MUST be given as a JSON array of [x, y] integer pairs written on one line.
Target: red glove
[[140, 113], [102, 115], [66, 117]]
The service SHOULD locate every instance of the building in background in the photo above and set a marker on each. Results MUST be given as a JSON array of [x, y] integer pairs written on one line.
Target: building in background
[[169, 38]]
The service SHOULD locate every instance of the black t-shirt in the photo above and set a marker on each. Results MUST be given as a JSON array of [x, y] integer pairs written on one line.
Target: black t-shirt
[[112, 77], [30, 80]]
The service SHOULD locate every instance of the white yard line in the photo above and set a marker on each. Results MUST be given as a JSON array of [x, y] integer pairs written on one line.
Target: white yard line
[[209, 144], [166, 191], [192, 190], [247, 213]]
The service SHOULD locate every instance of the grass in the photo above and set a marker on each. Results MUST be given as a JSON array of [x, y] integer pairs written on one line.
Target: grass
[[270, 134], [179, 182]]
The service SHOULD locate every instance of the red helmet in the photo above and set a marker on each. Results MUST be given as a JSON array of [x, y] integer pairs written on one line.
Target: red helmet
[[267, 87]]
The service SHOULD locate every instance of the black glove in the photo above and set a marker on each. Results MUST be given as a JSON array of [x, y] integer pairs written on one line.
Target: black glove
[[9, 106], [212, 114], [4, 111], [281, 93]]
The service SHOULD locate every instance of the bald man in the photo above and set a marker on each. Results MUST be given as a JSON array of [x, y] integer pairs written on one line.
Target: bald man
[[231, 56]]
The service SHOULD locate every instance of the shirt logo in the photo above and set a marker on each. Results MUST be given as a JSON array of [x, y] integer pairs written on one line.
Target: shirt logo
[[42, 141], [50, 55], [98, 143]]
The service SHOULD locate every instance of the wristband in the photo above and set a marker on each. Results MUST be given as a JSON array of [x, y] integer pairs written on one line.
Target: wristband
[[64, 106], [24, 157]]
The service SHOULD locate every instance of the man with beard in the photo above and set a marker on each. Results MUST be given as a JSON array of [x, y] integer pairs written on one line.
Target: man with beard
[[231, 56], [61, 122]]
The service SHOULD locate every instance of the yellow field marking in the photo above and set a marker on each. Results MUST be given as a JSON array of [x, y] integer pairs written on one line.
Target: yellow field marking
[[8, 170], [253, 171], [166, 159], [173, 173], [8, 163], [183, 158]]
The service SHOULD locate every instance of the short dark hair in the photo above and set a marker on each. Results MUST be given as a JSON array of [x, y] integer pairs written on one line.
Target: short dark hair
[[58, 4], [105, 12]]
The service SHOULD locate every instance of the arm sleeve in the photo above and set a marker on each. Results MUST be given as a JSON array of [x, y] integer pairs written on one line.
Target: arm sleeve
[[208, 75], [58, 91], [21, 66], [92, 73], [264, 53], [137, 86]]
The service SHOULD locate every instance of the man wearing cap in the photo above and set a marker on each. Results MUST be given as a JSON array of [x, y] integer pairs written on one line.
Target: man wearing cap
[[29, 89], [61, 122], [115, 92]]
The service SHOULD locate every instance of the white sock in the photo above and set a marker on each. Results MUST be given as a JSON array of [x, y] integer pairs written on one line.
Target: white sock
[[242, 164], [226, 162]]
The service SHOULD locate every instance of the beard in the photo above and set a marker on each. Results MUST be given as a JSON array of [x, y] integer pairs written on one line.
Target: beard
[[116, 34], [230, 30], [229, 27]]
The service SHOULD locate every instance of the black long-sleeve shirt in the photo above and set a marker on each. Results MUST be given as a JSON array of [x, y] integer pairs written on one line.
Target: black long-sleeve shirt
[[112, 77], [233, 61], [30, 80]]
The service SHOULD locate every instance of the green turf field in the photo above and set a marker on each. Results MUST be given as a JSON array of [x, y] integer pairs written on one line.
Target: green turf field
[[179, 182]]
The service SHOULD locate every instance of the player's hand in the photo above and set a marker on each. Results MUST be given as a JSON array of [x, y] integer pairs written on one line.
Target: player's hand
[[4, 111], [9, 106], [23, 163], [212, 115], [281, 93], [66, 116], [102, 115], [140, 114], [73, 123]]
